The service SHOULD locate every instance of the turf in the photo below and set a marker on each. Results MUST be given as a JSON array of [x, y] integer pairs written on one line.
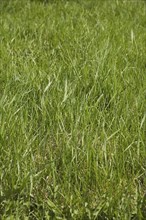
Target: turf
[[72, 109]]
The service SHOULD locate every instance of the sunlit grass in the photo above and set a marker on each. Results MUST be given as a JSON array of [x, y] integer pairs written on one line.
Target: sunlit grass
[[72, 109]]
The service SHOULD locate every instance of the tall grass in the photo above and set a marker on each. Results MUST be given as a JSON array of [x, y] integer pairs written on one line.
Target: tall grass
[[72, 109]]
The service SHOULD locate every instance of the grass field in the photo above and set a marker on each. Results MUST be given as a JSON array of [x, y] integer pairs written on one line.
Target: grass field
[[72, 109]]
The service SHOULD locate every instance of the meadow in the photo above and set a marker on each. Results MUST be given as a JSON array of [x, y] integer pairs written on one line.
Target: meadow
[[73, 109]]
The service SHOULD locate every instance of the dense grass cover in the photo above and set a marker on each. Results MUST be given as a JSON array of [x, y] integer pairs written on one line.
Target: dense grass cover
[[72, 109]]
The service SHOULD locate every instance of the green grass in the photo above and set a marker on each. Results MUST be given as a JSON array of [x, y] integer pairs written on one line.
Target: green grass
[[72, 109]]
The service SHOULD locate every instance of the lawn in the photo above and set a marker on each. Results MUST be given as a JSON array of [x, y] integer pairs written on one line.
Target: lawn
[[73, 110]]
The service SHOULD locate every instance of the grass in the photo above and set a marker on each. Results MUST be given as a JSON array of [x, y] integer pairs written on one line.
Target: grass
[[72, 109]]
